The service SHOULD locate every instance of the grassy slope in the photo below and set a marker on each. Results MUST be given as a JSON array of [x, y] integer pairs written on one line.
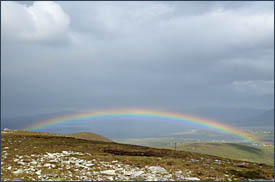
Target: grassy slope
[[89, 136], [201, 165], [260, 154], [244, 152]]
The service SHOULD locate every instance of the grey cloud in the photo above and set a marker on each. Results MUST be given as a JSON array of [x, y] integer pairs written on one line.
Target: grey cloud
[[148, 55], [40, 22]]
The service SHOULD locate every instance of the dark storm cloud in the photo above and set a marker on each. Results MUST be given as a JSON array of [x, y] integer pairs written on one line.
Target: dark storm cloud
[[168, 55]]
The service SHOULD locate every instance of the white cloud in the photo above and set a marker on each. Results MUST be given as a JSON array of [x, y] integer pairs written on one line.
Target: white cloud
[[254, 87], [43, 21]]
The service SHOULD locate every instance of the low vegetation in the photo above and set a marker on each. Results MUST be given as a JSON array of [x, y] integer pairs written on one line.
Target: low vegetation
[[43, 156], [259, 154], [244, 152], [89, 136]]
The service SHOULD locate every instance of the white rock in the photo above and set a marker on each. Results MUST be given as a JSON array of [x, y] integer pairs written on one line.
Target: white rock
[[120, 177], [51, 156], [65, 162], [127, 173], [47, 165], [178, 173], [18, 171], [108, 172], [192, 178], [168, 176], [52, 175], [38, 172], [118, 169], [9, 168], [22, 163], [137, 173], [151, 178], [218, 161], [33, 163], [157, 169], [65, 152], [53, 160], [110, 178]]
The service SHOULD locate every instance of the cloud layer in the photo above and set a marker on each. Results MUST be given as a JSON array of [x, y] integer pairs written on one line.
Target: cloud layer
[[40, 22], [167, 55]]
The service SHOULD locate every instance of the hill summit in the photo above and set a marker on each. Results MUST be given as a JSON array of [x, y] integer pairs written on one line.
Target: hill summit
[[89, 136]]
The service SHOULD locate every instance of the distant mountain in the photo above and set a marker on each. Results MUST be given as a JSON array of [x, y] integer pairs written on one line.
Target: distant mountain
[[226, 115], [21, 122]]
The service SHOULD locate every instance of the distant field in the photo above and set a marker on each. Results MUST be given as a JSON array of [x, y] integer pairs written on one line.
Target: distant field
[[259, 154]]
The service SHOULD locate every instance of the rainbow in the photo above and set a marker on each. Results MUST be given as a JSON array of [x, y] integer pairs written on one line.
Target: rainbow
[[149, 114]]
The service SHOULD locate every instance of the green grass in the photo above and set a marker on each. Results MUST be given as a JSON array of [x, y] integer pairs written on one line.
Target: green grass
[[260, 154], [89, 136]]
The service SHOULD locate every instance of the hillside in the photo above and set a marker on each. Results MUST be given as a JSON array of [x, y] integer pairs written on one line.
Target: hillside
[[259, 154], [89, 136], [43, 156], [244, 152]]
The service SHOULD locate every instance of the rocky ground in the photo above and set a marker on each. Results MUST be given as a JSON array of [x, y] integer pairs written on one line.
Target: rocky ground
[[37, 157], [68, 165]]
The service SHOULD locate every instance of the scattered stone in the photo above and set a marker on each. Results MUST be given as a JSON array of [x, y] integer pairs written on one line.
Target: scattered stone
[[192, 178], [178, 173], [89, 165], [52, 175], [168, 176], [127, 173], [217, 161], [157, 169], [18, 171], [47, 165], [137, 173], [108, 172], [22, 163], [110, 178], [38, 172], [33, 163]]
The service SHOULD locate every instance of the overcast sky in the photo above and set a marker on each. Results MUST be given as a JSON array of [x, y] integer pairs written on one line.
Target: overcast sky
[[161, 55]]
